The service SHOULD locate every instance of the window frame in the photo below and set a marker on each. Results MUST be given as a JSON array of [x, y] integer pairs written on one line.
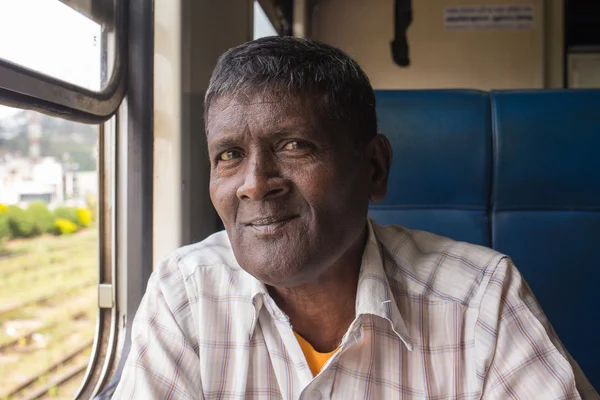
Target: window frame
[[577, 54], [124, 110], [270, 8], [126, 243], [22, 87]]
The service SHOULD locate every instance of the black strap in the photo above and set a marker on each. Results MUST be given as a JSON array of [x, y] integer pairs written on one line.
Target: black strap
[[402, 20]]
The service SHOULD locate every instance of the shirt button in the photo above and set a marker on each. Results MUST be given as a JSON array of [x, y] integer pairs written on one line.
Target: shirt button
[[315, 394]]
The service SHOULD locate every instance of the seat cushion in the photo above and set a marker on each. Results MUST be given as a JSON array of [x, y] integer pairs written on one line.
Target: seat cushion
[[462, 225], [442, 161], [546, 206], [556, 252], [547, 146]]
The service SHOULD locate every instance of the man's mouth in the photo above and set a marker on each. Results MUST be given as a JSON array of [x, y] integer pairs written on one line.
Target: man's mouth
[[270, 224]]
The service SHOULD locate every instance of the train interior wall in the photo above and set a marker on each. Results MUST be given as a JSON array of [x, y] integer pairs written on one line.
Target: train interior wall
[[440, 57]]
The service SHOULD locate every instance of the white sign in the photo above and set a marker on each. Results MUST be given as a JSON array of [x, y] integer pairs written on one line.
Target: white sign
[[500, 17]]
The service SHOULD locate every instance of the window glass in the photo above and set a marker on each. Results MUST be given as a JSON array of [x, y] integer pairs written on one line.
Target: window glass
[[262, 25], [48, 253], [584, 70], [58, 40]]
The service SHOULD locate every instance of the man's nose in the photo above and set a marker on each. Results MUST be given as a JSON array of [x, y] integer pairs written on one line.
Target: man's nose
[[262, 181]]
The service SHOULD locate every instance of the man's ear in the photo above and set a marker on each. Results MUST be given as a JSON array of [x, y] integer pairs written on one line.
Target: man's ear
[[380, 160]]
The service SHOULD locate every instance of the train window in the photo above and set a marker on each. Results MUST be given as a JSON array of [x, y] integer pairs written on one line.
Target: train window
[[75, 191], [584, 70], [262, 24], [64, 56], [48, 253], [63, 30]]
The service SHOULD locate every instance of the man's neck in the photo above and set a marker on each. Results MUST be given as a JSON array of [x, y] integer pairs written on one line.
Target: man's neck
[[322, 311]]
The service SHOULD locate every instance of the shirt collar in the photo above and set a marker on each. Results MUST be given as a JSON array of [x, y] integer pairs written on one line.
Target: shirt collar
[[373, 296]]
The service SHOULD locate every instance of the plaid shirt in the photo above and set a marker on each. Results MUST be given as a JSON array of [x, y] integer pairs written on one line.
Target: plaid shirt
[[435, 319]]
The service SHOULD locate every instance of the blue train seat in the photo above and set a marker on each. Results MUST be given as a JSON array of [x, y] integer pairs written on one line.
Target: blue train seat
[[518, 171], [440, 177]]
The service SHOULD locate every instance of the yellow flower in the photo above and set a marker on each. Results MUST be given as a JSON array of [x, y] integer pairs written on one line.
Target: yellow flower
[[65, 227], [84, 217]]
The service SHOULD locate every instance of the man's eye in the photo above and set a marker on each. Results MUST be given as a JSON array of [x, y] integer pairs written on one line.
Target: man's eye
[[295, 145], [229, 155]]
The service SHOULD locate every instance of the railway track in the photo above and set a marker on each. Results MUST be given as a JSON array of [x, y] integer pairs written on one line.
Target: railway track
[[52, 268], [45, 297], [30, 333], [58, 381], [48, 309], [55, 379]]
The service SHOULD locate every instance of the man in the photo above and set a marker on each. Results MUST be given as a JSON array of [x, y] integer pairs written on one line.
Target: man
[[303, 296]]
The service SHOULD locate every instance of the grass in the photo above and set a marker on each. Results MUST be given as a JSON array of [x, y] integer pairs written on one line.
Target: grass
[[27, 254], [44, 265], [69, 307], [30, 269]]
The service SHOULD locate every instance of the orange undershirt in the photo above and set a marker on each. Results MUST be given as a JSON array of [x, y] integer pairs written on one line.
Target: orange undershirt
[[314, 359]]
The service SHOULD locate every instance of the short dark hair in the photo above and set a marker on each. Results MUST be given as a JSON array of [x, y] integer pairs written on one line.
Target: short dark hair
[[299, 67]]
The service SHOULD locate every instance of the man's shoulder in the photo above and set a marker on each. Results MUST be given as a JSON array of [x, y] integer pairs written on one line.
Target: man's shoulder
[[435, 267], [214, 251]]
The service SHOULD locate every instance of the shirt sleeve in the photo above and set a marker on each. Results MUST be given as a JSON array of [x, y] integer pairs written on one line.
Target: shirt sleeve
[[517, 353], [163, 362]]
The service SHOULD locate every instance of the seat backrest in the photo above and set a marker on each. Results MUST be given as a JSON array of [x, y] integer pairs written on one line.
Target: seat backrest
[[546, 207], [523, 178], [440, 177]]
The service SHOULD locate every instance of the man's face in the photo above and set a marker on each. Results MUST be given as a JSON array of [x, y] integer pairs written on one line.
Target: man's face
[[292, 194]]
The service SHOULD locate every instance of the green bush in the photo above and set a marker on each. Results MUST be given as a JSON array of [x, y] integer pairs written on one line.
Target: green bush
[[63, 226], [68, 213], [21, 223], [42, 217], [91, 203], [4, 228]]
